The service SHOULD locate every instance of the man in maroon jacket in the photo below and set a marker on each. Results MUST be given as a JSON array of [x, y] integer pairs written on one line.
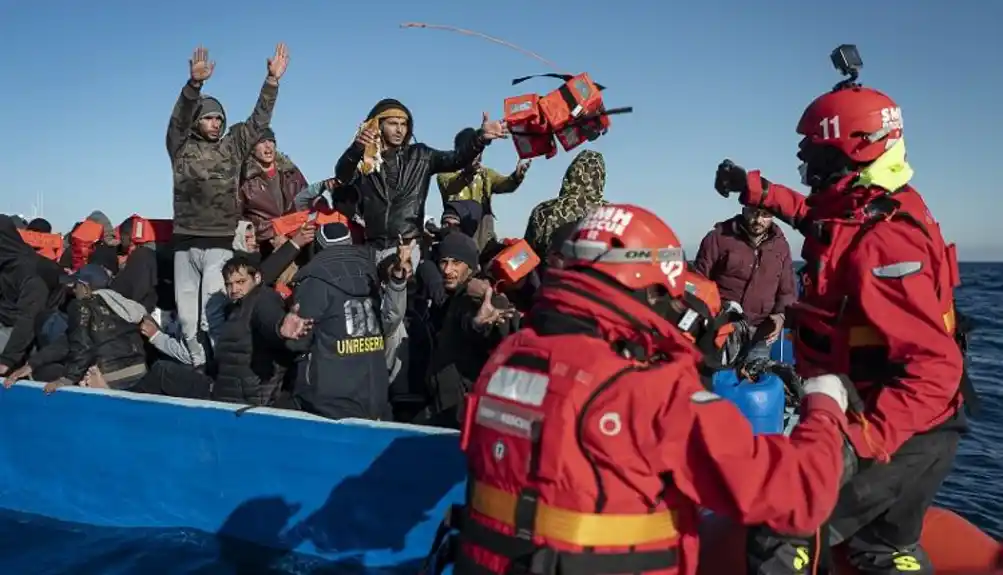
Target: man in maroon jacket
[[749, 259]]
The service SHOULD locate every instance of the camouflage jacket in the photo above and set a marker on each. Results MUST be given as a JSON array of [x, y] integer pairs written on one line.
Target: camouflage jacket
[[206, 173], [582, 189]]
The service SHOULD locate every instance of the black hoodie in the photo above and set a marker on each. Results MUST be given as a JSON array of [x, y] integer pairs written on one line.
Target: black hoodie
[[392, 200], [344, 372], [29, 285]]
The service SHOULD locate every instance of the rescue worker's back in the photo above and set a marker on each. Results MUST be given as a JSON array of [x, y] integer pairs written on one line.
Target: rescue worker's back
[[592, 441]]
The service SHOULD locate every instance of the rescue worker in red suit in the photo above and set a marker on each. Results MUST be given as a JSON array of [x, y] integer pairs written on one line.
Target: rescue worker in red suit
[[877, 308], [592, 439]]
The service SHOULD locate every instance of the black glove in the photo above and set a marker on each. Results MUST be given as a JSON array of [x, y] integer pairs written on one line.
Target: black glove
[[730, 179]]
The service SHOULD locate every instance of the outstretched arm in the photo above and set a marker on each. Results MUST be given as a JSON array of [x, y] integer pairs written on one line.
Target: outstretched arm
[[247, 134], [183, 115]]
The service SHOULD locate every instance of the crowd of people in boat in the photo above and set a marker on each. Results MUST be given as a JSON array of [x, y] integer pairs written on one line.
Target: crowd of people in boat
[[334, 297], [338, 298]]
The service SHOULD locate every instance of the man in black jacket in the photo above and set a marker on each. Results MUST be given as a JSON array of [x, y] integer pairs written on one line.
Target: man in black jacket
[[344, 370], [103, 332], [251, 357], [468, 325], [392, 176], [29, 285]]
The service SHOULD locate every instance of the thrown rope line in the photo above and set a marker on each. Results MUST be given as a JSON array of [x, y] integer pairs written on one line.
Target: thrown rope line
[[466, 32]]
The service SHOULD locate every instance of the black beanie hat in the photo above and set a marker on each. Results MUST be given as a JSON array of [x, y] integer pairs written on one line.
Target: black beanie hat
[[459, 247]]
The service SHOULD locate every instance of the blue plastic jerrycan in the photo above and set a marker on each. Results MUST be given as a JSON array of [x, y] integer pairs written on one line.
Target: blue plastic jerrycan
[[782, 350], [762, 402]]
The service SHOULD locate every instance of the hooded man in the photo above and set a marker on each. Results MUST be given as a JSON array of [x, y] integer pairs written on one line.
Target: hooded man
[[206, 165], [29, 284], [581, 190], [392, 176], [345, 371], [268, 186]]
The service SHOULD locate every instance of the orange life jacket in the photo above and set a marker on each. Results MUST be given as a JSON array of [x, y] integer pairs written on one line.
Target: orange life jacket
[[513, 263], [574, 113], [705, 291], [530, 133], [47, 245], [82, 242], [289, 224], [142, 231], [537, 491]]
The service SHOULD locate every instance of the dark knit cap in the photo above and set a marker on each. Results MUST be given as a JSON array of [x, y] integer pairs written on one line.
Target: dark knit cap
[[333, 234], [459, 247]]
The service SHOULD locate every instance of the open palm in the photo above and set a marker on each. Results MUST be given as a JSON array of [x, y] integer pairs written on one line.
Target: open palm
[[277, 63], [200, 65]]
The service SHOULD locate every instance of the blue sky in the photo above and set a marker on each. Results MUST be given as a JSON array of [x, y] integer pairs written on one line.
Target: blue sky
[[87, 88]]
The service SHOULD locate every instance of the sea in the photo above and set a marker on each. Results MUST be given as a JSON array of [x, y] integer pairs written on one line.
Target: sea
[[32, 545]]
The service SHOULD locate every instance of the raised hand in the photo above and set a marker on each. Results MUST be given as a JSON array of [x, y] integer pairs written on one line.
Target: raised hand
[[522, 167], [493, 129], [200, 66], [730, 178], [367, 136], [403, 268], [277, 63]]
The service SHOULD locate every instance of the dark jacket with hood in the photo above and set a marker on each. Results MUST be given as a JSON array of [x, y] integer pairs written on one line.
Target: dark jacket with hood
[[460, 350], [29, 286], [344, 370], [139, 276], [392, 199], [759, 276], [250, 355], [264, 198], [206, 172]]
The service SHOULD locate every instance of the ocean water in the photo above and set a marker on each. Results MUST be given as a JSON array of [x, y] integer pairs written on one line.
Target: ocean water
[[31, 545]]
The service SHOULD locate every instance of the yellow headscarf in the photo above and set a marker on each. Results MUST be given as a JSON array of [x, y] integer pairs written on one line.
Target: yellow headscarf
[[372, 159]]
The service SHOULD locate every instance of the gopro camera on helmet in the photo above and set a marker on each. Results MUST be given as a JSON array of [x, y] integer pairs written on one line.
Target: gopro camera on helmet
[[846, 59]]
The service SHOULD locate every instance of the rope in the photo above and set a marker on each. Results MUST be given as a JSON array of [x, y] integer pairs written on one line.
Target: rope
[[466, 32]]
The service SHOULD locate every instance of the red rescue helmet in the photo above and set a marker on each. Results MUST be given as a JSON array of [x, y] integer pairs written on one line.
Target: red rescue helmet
[[629, 244], [860, 122]]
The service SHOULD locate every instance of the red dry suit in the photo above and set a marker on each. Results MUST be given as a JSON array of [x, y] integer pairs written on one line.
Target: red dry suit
[[878, 304], [586, 457]]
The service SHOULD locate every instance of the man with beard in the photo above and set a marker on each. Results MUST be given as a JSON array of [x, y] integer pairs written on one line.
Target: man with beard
[[749, 259], [468, 325], [392, 176], [206, 166]]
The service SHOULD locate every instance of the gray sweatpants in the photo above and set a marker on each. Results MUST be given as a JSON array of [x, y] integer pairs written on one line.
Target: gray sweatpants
[[198, 291]]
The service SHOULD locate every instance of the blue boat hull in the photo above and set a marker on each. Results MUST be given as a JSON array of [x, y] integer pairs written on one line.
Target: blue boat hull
[[366, 493]]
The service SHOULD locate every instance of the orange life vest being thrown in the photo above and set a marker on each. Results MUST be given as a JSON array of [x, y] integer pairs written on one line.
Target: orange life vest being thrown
[[47, 245], [574, 113]]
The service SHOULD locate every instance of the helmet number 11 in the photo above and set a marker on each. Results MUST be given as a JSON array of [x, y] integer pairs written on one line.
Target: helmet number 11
[[830, 128]]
